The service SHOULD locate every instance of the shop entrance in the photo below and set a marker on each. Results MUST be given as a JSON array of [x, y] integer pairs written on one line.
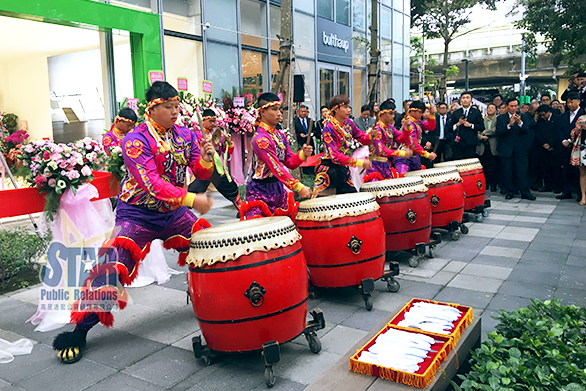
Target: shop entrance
[[333, 80]]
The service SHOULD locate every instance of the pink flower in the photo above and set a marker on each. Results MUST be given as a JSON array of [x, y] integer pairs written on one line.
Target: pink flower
[[52, 182], [46, 155], [29, 149], [63, 164], [86, 171], [40, 180], [73, 174]]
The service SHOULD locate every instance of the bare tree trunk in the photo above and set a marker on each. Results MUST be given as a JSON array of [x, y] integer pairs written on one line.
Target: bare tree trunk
[[373, 65], [443, 79]]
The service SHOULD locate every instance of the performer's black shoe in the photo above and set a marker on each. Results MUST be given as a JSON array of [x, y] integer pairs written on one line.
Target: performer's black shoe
[[69, 345], [528, 196], [509, 196], [493, 188], [564, 196], [503, 191]]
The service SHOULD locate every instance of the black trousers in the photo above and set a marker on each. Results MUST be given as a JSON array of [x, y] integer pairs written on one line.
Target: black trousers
[[228, 189], [570, 174], [333, 178], [549, 170], [515, 166], [490, 166], [535, 178], [463, 151]]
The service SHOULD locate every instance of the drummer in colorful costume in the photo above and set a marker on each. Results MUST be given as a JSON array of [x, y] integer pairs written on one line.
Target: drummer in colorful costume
[[265, 193], [153, 204], [384, 136], [123, 123], [338, 135], [411, 130], [220, 177]]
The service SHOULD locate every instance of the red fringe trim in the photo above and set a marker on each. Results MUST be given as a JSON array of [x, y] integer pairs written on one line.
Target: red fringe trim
[[373, 177], [136, 253], [182, 258], [290, 212], [106, 318], [178, 241]]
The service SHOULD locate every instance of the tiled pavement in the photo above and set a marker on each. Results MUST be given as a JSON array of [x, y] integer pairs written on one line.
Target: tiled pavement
[[523, 250]]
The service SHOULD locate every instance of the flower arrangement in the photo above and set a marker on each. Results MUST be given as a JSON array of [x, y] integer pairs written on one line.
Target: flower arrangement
[[116, 163], [238, 119], [54, 168]]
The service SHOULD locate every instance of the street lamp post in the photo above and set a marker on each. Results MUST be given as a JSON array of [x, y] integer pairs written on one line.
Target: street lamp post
[[467, 82]]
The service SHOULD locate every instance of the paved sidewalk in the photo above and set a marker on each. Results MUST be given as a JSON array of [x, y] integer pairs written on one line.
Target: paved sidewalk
[[523, 250]]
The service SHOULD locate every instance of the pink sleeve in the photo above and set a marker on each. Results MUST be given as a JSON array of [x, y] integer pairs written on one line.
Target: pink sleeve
[[292, 161], [359, 135]]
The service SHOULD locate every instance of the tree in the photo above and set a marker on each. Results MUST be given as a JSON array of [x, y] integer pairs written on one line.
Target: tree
[[445, 19], [562, 23], [418, 9]]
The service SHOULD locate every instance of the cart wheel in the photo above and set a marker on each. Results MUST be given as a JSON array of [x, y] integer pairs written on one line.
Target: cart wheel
[[432, 251], [485, 212], [368, 302], [393, 285], [313, 295], [455, 235], [314, 342], [207, 360], [464, 229], [414, 261], [270, 378], [479, 218]]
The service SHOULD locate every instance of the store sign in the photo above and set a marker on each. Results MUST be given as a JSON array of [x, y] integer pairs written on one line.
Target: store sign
[[132, 103], [334, 42], [156, 76], [182, 83], [207, 87]]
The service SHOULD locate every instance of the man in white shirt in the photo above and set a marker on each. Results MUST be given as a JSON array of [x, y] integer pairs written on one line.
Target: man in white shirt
[[567, 122], [365, 121]]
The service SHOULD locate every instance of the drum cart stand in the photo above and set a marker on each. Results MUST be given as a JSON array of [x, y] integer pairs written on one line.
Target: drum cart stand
[[480, 212], [271, 350], [366, 286], [420, 249], [453, 227]]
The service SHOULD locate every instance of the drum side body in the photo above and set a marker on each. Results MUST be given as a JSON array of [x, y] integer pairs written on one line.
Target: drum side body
[[407, 220], [447, 203], [474, 188], [342, 252], [227, 317]]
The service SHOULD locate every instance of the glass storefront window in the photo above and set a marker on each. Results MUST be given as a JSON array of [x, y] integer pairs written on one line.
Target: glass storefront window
[[398, 5], [326, 85], [274, 71], [360, 88], [184, 59], [397, 58], [221, 15], [182, 15], [343, 12], [407, 7], [397, 27], [344, 83], [386, 48], [304, 5], [368, 13], [275, 14], [398, 88], [254, 66], [385, 22], [222, 65], [307, 69], [386, 87], [406, 88], [359, 15], [139, 5], [253, 23], [358, 49], [304, 34], [406, 60], [325, 9], [407, 30]]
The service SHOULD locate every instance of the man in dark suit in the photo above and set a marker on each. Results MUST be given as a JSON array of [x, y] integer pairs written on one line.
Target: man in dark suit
[[464, 127], [303, 126], [567, 122], [365, 121], [577, 83], [546, 136], [515, 138], [546, 100], [442, 121]]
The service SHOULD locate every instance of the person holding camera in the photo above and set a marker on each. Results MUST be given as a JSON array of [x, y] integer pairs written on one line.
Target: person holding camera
[[515, 137], [465, 124]]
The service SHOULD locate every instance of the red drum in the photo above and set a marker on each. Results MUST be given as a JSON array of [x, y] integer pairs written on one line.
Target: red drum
[[446, 194], [342, 238], [248, 283], [405, 209], [472, 179]]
